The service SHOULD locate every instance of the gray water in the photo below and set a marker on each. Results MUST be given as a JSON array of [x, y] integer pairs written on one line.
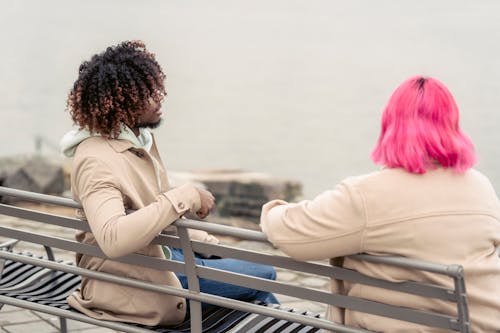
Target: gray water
[[291, 88]]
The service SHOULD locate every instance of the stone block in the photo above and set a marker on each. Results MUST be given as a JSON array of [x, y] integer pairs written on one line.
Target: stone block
[[37, 173], [11, 164], [240, 193]]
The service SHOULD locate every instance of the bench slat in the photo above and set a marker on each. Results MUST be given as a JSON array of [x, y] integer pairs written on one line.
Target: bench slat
[[54, 290], [203, 297]]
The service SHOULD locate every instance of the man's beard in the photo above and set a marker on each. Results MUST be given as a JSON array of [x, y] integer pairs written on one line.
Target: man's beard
[[149, 125]]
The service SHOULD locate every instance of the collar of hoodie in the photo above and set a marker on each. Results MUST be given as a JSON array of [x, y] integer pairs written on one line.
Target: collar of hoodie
[[70, 141]]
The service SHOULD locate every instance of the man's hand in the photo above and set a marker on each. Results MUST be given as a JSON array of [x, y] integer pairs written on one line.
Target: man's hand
[[207, 202]]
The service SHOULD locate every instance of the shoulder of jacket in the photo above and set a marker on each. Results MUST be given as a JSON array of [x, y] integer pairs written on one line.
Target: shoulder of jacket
[[94, 151], [95, 146], [477, 174], [368, 177], [376, 179]]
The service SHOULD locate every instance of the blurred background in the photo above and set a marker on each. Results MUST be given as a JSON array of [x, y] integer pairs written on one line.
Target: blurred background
[[290, 88]]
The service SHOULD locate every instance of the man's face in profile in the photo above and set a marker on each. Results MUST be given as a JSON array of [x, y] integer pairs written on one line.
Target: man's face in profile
[[151, 117]]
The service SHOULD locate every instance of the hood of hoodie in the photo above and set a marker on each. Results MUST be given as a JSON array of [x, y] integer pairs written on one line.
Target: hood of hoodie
[[70, 141]]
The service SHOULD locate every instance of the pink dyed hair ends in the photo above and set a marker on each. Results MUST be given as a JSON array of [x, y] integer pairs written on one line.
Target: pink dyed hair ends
[[420, 130]]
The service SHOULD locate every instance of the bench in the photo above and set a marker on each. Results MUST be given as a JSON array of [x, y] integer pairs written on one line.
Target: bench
[[42, 283]]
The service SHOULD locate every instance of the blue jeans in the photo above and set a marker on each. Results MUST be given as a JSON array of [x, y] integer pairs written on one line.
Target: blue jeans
[[225, 289]]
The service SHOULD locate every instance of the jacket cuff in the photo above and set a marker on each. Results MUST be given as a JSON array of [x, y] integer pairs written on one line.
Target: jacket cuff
[[184, 198], [203, 236], [266, 208]]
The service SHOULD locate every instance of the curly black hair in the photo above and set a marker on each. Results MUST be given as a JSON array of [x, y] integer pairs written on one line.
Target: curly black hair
[[114, 86]]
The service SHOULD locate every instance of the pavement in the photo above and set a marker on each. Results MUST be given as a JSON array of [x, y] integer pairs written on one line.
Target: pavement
[[17, 320]]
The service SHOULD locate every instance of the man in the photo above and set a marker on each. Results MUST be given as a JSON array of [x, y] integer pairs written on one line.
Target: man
[[115, 99]]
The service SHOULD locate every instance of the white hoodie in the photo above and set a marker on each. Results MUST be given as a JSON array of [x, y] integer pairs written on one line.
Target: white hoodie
[[73, 138]]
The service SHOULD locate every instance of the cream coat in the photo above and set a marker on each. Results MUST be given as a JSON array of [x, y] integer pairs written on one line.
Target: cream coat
[[440, 216], [108, 177]]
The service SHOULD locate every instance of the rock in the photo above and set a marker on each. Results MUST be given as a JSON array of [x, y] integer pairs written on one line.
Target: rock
[[11, 164], [8, 166], [36, 174], [240, 193]]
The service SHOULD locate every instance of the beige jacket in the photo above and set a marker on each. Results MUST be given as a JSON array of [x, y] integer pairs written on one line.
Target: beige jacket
[[108, 177], [440, 216]]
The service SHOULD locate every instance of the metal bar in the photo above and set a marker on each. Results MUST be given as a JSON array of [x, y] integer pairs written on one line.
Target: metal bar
[[69, 222], [63, 326], [9, 244], [452, 270], [71, 315], [348, 302], [50, 253], [225, 251], [33, 215], [75, 246], [202, 297], [339, 273], [223, 230], [192, 276], [462, 306], [38, 197], [91, 250], [168, 240], [325, 270], [209, 227], [244, 234], [409, 263]]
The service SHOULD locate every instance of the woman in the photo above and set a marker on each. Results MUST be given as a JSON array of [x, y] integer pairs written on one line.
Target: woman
[[425, 203]]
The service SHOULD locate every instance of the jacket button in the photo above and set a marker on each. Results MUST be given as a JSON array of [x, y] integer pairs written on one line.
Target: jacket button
[[180, 305], [181, 205]]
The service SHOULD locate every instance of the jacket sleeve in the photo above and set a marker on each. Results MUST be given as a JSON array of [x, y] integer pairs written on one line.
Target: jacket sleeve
[[329, 226], [202, 236], [116, 233]]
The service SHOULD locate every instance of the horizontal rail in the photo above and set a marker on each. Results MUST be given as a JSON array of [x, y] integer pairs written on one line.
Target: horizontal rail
[[161, 264], [71, 315], [201, 297], [71, 222], [186, 223], [345, 274], [449, 270], [357, 304], [235, 232], [95, 251], [201, 247], [338, 300], [223, 230], [38, 197]]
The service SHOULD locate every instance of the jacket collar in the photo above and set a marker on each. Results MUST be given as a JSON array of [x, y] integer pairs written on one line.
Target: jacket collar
[[125, 140], [120, 145]]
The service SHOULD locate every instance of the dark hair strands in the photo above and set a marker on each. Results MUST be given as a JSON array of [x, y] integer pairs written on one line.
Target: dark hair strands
[[113, 87]]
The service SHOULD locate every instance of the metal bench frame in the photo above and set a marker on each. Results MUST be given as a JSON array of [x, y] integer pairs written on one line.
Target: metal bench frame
[[456, 295]]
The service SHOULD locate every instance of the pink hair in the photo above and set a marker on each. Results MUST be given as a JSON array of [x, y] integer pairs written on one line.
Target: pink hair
[[420, 130]]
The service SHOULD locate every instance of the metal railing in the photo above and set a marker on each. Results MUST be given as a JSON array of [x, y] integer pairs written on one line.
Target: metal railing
[[194, 272]]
